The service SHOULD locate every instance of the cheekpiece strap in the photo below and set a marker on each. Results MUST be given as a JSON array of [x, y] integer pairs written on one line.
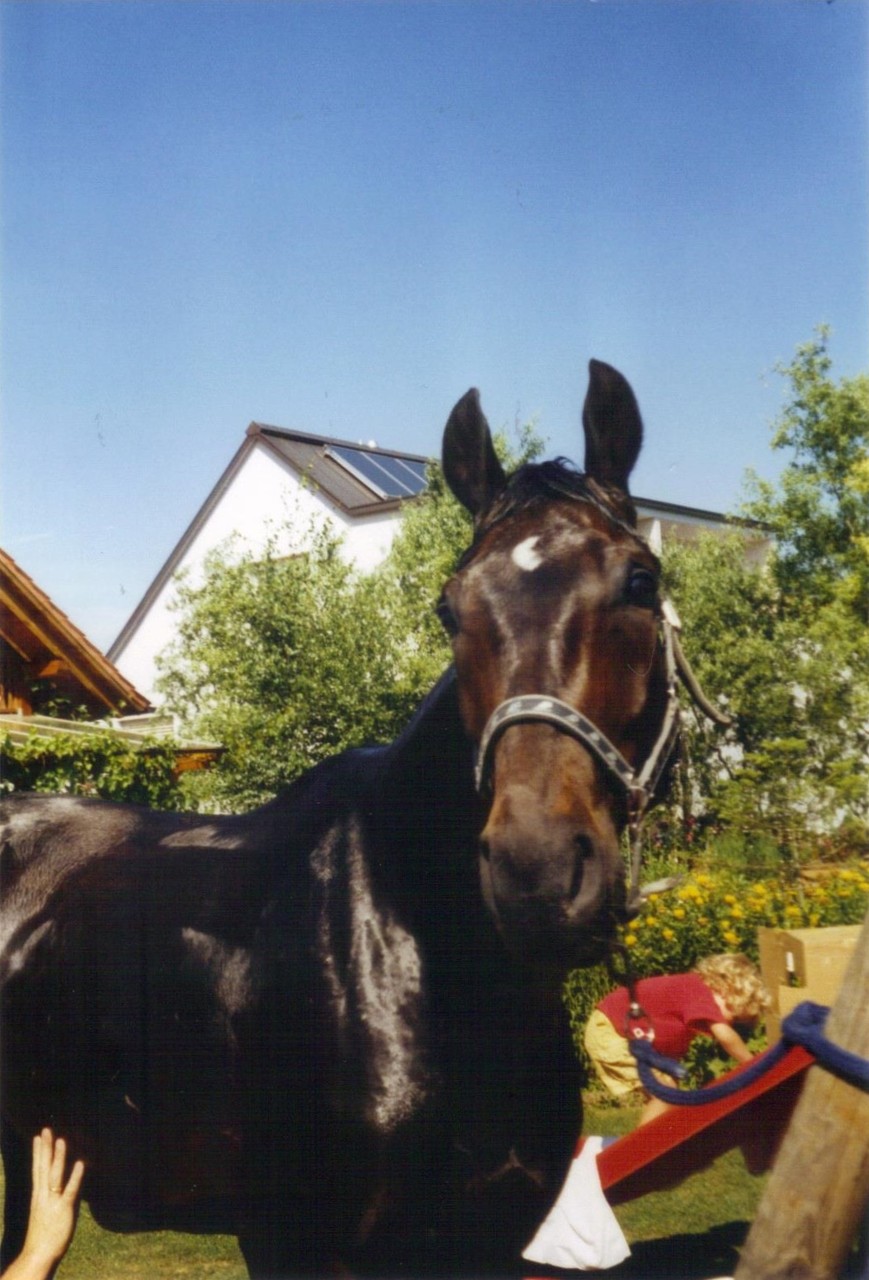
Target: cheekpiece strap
[[639, 786]]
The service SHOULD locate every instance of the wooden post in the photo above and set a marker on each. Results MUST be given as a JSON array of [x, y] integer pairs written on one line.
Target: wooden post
[[812, 1206]]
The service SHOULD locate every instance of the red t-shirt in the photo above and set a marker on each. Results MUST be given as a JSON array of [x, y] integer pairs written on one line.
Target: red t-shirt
[[679, 1006]]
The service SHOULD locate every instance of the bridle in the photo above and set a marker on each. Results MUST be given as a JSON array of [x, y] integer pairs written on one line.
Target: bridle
[[638, 785]]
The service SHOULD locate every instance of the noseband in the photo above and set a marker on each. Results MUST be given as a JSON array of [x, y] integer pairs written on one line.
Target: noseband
[[638, 785]]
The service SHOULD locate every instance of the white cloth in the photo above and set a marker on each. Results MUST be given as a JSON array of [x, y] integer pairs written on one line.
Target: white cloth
[[580, 1231]]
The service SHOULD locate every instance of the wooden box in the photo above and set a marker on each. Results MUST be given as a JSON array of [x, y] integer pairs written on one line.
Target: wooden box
[[803, 964]]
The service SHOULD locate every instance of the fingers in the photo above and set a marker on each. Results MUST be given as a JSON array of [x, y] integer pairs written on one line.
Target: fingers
[[58, 1163], [74, 1185], [43, 1148], [49, 1164]]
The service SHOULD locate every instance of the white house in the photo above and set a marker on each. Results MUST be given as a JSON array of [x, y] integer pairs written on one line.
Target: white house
[[277, 485], [281, 483]]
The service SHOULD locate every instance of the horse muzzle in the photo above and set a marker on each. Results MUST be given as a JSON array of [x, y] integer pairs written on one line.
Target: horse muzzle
[[555, 889]]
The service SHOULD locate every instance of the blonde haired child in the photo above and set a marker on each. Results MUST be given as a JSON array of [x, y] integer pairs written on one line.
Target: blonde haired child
[[720, 991]]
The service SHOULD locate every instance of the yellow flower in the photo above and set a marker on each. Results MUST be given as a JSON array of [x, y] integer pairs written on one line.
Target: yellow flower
[[630, 939], [729, 899], [731, 938], [679, 913], [667, 934]]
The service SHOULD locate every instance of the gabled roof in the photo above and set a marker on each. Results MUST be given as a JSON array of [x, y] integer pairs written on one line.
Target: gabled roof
[[360, 480], [47, 645]]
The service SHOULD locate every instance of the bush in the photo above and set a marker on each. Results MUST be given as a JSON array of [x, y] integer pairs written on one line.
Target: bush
[[92, 764]]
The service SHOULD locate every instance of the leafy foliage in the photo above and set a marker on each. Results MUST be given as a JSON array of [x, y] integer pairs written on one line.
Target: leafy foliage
[[284, 661], [93, 764], [787, 648], [819, 510]]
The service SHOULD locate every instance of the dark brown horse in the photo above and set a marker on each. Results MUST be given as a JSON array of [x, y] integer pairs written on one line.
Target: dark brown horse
[[333, 1025]]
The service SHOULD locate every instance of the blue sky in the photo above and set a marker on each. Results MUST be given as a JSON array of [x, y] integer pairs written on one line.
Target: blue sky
[[338, 216]]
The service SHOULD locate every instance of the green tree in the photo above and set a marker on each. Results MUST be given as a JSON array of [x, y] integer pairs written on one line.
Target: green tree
[[787, 648], [282, 661], [818, 510]]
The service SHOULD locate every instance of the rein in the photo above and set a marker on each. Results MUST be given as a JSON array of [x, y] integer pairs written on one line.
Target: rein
[[638, 785]]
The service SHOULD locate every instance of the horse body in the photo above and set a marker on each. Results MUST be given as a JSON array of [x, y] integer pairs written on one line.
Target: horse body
[[333, 1025]]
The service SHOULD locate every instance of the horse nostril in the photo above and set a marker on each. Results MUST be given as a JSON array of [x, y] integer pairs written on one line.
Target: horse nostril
[[584, 851], [584, 847]]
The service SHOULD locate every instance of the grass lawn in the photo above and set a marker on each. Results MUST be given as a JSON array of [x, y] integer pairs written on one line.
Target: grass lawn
[[690, 1232], [154, 1255]]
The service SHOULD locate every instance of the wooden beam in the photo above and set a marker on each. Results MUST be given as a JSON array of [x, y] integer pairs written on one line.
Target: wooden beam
[[813, 1203]]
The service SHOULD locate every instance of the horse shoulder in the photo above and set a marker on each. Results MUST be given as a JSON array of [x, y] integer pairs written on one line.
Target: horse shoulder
[[368, 966]]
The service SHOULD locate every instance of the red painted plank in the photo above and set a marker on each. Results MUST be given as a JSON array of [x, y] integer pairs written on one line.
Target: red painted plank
[[684, 1140]]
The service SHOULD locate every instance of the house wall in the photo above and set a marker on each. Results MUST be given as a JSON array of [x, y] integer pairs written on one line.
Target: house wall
[[264, 500]]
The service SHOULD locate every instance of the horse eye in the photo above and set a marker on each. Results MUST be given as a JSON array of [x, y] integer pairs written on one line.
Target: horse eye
[[642, 589], [449, 621]]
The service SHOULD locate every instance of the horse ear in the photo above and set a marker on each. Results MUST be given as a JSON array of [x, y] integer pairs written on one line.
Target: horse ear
[[471, 466], [612, 424]]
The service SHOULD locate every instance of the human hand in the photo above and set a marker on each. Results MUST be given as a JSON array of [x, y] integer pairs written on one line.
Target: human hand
[[53, 1209]]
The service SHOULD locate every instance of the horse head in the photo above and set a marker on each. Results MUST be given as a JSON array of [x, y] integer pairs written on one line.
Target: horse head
[[556, 625]]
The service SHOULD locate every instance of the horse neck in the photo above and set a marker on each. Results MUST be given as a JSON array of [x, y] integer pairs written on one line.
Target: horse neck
[[425, 793], [433, 752]]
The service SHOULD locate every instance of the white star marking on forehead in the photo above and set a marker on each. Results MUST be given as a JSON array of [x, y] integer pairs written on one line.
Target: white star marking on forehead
[[526, 556]]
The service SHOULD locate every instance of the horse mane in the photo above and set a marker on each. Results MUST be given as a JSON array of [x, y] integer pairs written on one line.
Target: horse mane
[[535, 482]]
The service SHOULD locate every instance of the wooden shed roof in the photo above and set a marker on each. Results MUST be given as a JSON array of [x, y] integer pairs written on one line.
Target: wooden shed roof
[[51, 646]]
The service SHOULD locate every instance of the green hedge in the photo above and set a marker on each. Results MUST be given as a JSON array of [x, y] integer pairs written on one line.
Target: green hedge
[[92, 764]]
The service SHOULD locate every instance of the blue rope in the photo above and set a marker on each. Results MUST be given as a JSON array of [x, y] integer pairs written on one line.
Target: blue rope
[[804, 1026]]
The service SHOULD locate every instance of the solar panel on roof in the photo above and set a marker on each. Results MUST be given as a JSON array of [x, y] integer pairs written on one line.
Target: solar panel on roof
[[416, 469], [389, 477]]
